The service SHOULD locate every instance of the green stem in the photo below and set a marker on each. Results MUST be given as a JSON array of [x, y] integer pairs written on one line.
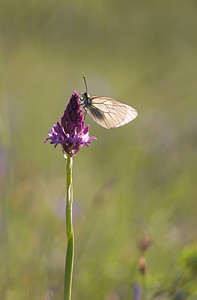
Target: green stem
[[69, 232], [144, 287]]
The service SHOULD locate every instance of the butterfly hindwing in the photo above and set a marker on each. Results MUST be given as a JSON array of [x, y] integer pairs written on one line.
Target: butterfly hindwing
[[110, 113]]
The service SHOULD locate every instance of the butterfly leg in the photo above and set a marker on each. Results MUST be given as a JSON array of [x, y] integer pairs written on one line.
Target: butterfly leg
[[85, 112]]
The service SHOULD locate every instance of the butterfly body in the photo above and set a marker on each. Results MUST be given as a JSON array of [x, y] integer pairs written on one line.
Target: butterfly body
[[107, 112]]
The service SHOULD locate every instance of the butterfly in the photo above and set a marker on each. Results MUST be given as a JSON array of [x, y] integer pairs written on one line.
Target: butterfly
[[107, 112]]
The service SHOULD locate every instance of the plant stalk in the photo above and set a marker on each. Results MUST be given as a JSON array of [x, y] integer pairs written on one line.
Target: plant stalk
[[69, 232]]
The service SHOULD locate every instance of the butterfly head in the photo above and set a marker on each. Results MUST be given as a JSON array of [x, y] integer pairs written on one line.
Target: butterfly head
[[86, 99], [84, 95]]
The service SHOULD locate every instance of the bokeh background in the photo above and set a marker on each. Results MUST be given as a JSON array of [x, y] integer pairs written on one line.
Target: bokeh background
[[133, 182]]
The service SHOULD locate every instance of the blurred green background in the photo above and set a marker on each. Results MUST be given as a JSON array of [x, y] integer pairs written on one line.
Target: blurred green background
[[134, 181]]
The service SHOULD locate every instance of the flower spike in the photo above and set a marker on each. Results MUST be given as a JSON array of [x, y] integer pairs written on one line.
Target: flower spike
[[71, 133]]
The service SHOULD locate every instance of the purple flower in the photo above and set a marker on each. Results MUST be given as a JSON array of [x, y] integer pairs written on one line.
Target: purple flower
[[137, 293], [71, 133]]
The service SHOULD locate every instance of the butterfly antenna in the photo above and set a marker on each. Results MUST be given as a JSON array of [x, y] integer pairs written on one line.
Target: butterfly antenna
[[84, 78]]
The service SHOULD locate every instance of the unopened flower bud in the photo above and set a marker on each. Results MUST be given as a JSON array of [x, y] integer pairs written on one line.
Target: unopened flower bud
[[144, 243], [142, 266]]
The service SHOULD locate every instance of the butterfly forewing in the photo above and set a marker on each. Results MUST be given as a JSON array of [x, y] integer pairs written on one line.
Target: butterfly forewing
[[110, 113]]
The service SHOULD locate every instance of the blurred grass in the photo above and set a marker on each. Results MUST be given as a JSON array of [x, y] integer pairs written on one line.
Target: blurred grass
[[135, 180]]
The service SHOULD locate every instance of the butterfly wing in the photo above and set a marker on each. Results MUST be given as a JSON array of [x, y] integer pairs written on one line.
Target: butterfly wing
[[110, 113]]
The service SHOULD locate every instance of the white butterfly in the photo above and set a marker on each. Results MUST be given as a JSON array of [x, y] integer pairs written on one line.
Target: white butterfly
[[107, 112]]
